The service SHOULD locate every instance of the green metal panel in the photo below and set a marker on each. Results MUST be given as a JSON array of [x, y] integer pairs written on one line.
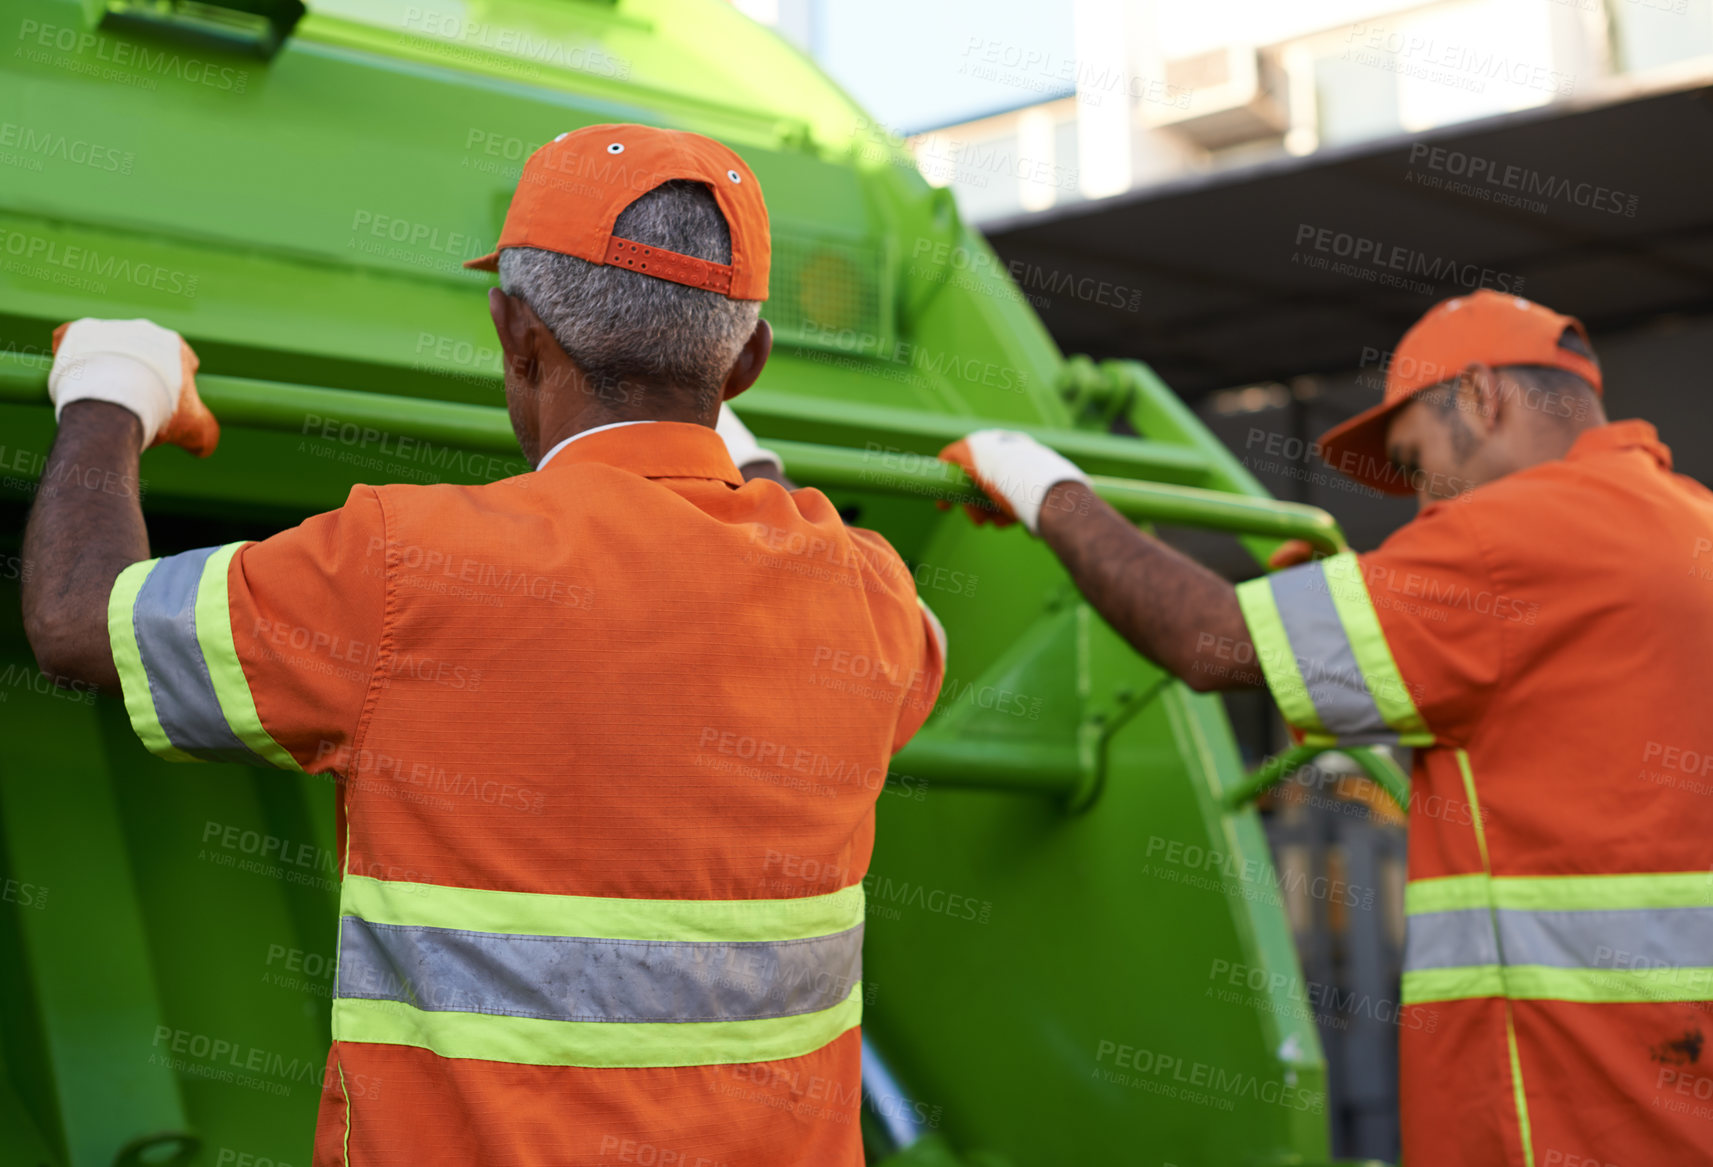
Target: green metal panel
[[82, 933], [1040, 940]]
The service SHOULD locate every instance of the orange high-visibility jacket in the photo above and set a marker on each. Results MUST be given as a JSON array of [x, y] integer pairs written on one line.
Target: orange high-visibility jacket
[[609, 737], [1546, 642]]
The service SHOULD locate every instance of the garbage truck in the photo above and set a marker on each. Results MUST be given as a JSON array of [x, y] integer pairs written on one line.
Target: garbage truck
[[1067, 854]]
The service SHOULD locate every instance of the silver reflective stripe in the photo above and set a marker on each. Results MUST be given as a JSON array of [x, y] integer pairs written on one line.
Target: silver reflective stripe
[[164, 617], [1639, 937], [1597, 939], [1450, 940], [1325, 657], [573, 978]]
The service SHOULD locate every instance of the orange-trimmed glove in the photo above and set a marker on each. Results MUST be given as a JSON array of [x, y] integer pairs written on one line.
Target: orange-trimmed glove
[[148, 369], [1290, 553], [1015, 470]]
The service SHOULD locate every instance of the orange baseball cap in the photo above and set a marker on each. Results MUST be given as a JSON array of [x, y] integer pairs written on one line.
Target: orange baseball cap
[[1484, 327], [572, 190]]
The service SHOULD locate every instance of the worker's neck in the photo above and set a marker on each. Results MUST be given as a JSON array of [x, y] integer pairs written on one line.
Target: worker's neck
[[1548, 439], [565, 415]]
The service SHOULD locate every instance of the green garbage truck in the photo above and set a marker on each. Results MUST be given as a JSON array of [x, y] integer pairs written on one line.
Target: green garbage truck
[[1066, 853]]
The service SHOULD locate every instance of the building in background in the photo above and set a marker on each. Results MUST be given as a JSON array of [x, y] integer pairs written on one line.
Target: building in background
[[1094, 98]]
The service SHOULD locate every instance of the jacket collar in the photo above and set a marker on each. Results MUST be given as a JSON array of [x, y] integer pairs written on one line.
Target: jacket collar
[[1621, 435], [664, 449]]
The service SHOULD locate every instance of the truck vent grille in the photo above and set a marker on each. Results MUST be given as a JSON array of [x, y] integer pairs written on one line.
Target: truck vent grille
[[829, 293]]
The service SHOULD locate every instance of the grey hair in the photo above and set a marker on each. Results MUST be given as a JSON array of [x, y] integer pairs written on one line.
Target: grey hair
[[629, 331]]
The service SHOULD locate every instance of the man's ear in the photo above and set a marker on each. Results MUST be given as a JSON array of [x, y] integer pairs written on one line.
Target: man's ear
[[1485, 399], [750, 360], [515, 324]]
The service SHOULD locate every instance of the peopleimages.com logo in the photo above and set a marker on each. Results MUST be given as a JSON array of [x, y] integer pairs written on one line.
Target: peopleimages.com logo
[[1403, 261]]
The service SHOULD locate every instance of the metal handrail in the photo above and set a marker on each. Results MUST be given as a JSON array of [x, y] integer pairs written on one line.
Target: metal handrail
[[1385, 772], [278, 405], [1052, 770]]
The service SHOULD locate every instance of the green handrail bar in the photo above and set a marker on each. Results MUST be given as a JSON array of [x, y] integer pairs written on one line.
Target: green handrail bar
[[1380, 767], [1020, 767], [274, 405], [1160, 413], [875, 427], [831, 466]]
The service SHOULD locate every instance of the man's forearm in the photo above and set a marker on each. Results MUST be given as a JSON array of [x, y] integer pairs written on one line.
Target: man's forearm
[[85, 528], [1170, 608]]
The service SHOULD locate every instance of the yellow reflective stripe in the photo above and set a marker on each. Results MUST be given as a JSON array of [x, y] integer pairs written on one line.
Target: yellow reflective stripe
[[345, 1147], [1560, 893], [1506, 985], [535, 1042], [1680, 889], [1474, 809], [1273, 650], [1355, 607], [1451, 984], [381, 901], [220, 653], [1517, 1090], [128, 661], [1450, 893], [1534, 982]]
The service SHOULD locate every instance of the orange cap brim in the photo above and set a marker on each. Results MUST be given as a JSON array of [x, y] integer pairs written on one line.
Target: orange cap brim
[[1357, 449], [488, 262]]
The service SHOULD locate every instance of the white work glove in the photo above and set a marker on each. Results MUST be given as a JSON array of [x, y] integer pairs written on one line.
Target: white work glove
[[137, 364], [1015, 470], [740, 443]]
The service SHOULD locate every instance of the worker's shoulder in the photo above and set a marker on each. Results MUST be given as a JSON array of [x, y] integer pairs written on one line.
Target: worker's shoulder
[[446, 511], [1479, 518], [1590, 491], [873, 545], [880, 556], [438, 498], [1534, 515], [815, 509], [888, 580]]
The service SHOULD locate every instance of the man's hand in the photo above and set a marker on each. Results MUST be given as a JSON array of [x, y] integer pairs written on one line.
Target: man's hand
[[747, 454], [140, 366], [1015, 470], [117, 386], [1169, 608]]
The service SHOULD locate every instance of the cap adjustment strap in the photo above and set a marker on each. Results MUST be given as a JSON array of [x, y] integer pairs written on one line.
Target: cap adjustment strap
[[670, 265]]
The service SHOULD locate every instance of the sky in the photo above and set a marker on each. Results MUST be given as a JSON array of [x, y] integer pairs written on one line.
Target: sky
[[915, 64]]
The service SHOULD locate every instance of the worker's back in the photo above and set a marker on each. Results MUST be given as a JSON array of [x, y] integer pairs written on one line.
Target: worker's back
[[610, 736], [634, 688], [1555, 628], [1606, 659]]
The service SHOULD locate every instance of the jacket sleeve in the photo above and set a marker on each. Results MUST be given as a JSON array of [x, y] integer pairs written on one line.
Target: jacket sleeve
[[1398, 646], [262, 653], [925, 681], [913, 639]]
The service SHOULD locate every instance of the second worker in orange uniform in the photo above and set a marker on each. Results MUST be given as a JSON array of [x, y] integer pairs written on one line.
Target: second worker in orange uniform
[[1542, 634]]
